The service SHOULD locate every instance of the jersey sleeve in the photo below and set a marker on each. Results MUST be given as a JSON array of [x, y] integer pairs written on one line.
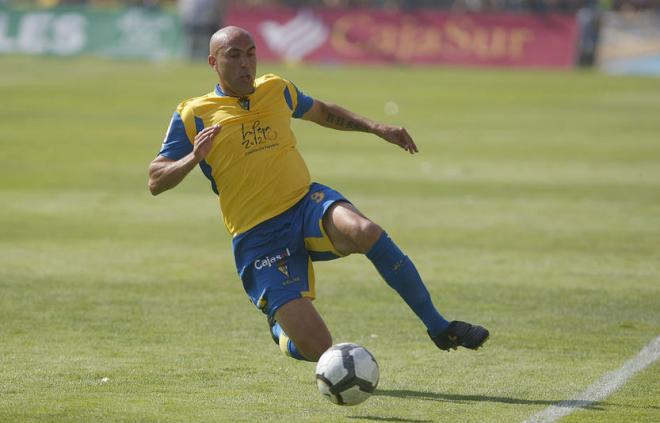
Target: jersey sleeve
[[177, 143], [298, 102]]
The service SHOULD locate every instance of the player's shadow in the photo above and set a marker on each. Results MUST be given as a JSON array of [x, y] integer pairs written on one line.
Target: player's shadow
[[464, 399], [389, 419]]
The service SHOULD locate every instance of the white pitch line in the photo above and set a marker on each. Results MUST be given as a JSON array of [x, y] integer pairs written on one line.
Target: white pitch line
[[604, 387]]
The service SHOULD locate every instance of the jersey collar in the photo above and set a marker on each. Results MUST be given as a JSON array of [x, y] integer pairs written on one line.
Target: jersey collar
[[220, 93]]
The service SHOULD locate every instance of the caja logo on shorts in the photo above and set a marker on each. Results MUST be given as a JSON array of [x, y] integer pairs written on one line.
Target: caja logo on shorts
[[269, 261]]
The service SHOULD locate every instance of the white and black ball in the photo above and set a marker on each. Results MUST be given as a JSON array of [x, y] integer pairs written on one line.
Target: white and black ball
[[347, 374]]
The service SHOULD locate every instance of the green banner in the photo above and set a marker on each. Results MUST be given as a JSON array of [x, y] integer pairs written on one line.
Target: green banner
[[131, 32]]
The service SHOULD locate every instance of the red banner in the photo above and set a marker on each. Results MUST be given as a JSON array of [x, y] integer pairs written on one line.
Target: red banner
[[420, 37]]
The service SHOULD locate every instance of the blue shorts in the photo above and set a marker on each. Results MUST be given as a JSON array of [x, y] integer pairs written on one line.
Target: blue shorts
[[274, 259]]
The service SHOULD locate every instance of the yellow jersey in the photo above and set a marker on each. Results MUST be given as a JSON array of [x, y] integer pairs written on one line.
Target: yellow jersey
[[254, 165]]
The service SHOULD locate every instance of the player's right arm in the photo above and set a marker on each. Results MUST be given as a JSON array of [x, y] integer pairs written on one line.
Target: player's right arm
[[165, 173]]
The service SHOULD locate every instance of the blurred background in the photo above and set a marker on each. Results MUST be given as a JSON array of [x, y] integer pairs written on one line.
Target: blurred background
[[533, 208], [614, 36]]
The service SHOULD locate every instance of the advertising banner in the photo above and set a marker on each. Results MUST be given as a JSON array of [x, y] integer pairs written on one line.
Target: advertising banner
[[131, 32], [630, 43], [419, 37]]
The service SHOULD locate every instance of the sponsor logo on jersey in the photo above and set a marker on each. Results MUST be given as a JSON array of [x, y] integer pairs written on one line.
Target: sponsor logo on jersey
[[255, 134]]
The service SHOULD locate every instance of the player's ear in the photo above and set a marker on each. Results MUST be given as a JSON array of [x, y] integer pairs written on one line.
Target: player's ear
[[212, 61]]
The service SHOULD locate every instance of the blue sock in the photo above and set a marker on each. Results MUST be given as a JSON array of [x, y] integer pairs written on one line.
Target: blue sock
[[400, 273], [286, 345]]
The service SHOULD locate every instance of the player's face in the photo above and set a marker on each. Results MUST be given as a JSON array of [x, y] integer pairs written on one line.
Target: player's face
[[235, 61]]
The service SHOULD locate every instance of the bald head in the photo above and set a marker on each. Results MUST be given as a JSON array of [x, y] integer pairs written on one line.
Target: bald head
[[225, 36], [232, 55]]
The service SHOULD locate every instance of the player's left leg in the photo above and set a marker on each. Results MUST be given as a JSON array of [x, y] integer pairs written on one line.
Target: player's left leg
[[303, 330], [278, 275], [351, 232], [281, 285]]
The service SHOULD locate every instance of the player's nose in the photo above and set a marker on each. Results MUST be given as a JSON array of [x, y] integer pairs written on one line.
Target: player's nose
[[244, 61]]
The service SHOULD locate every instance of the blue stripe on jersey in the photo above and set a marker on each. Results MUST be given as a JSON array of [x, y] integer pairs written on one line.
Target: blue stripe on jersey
[[287, 97], [206, 168], [304, 104], [208, 172], [176, 144], [199, 124]]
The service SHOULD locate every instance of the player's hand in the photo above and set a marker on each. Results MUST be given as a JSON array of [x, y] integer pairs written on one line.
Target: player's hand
[[204, 141], [398, 136]]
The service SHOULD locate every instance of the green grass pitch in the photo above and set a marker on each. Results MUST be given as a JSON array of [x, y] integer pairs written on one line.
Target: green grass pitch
[[533, 208]]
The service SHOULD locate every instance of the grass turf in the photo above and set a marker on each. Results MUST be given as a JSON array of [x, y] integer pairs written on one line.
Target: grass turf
[[533, 208]]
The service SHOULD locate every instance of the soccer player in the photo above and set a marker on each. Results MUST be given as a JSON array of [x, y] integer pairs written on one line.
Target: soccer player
[[240, 136]]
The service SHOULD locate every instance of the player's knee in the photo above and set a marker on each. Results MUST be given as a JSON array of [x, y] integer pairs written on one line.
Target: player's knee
[[369, 232]]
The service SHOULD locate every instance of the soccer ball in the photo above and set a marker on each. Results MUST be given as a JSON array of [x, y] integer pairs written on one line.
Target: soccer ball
[[347, 374]]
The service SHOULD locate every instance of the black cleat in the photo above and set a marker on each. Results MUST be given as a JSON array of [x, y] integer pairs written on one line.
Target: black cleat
[[461, 334], [271, 323]]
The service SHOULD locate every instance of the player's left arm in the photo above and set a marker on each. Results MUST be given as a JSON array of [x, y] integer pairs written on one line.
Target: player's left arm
[[336, 117]]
